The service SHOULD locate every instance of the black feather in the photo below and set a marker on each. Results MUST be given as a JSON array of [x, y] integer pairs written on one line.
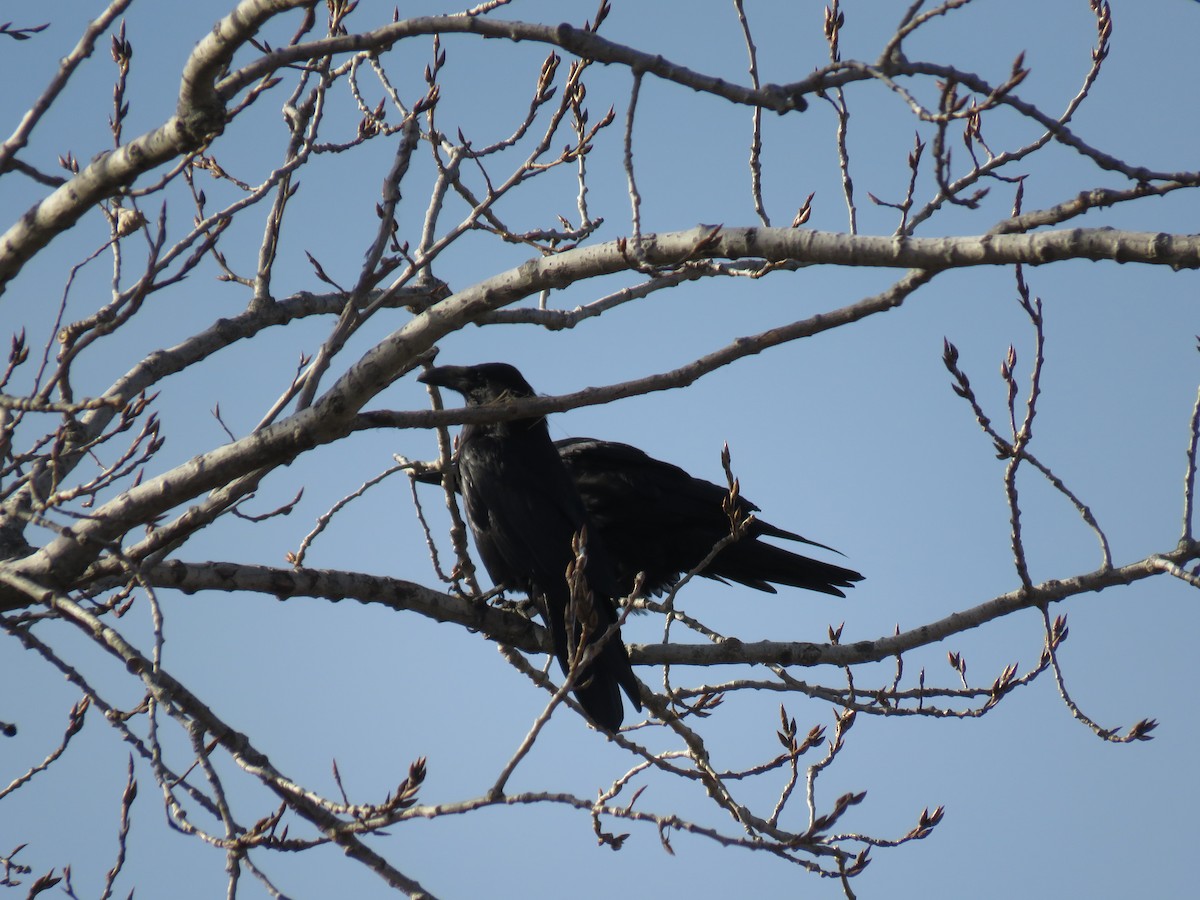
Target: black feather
[[524, 511], [656, 518]]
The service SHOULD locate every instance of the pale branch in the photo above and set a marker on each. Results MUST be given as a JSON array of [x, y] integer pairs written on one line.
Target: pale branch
[[756, 144], [805, 247], [212, 55], [1176, 570], [870, 700], [1084, 201], [61, 560], [834, 19], [334, 415], [782, 844], [675, 378], [1189, 478], [323, 520], [1055, 631], [732, 650], [635, 197], [127, 798], [580, 42], [165, 538], [74, 726], [843, 73], [505, 627], [911, 22], [929, 255], [304, 124], [517, 631], [556, 319], [225, 332], [34, 405]]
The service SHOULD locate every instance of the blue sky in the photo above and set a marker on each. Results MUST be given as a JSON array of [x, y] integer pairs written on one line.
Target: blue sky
[[852, 438]]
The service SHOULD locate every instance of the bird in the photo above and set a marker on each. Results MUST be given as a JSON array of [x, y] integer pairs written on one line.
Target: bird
[[526, 516], [658, 520]]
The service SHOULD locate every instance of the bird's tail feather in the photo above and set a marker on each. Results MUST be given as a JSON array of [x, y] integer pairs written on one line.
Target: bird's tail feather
[[598, 687], [758, 565]]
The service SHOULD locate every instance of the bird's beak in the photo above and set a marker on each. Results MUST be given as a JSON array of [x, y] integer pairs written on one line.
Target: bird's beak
[[452, 377]]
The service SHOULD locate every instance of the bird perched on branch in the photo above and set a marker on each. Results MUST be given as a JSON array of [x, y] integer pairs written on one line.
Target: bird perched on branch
[[656, 519], [531, 529], [645, 517]]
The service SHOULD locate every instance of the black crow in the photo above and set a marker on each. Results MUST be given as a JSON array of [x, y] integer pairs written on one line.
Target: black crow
[[656, 518], [525, 512]]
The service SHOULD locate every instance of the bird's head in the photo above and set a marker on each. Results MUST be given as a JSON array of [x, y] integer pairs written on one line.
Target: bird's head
[[481, 384]]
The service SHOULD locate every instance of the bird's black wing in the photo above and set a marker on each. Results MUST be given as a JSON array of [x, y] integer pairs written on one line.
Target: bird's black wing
[[519, 512], [656, 518], [524, 510]]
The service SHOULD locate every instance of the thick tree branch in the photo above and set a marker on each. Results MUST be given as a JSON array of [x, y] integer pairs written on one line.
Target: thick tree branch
[[517, 631], [506, 627], [855, 652]]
